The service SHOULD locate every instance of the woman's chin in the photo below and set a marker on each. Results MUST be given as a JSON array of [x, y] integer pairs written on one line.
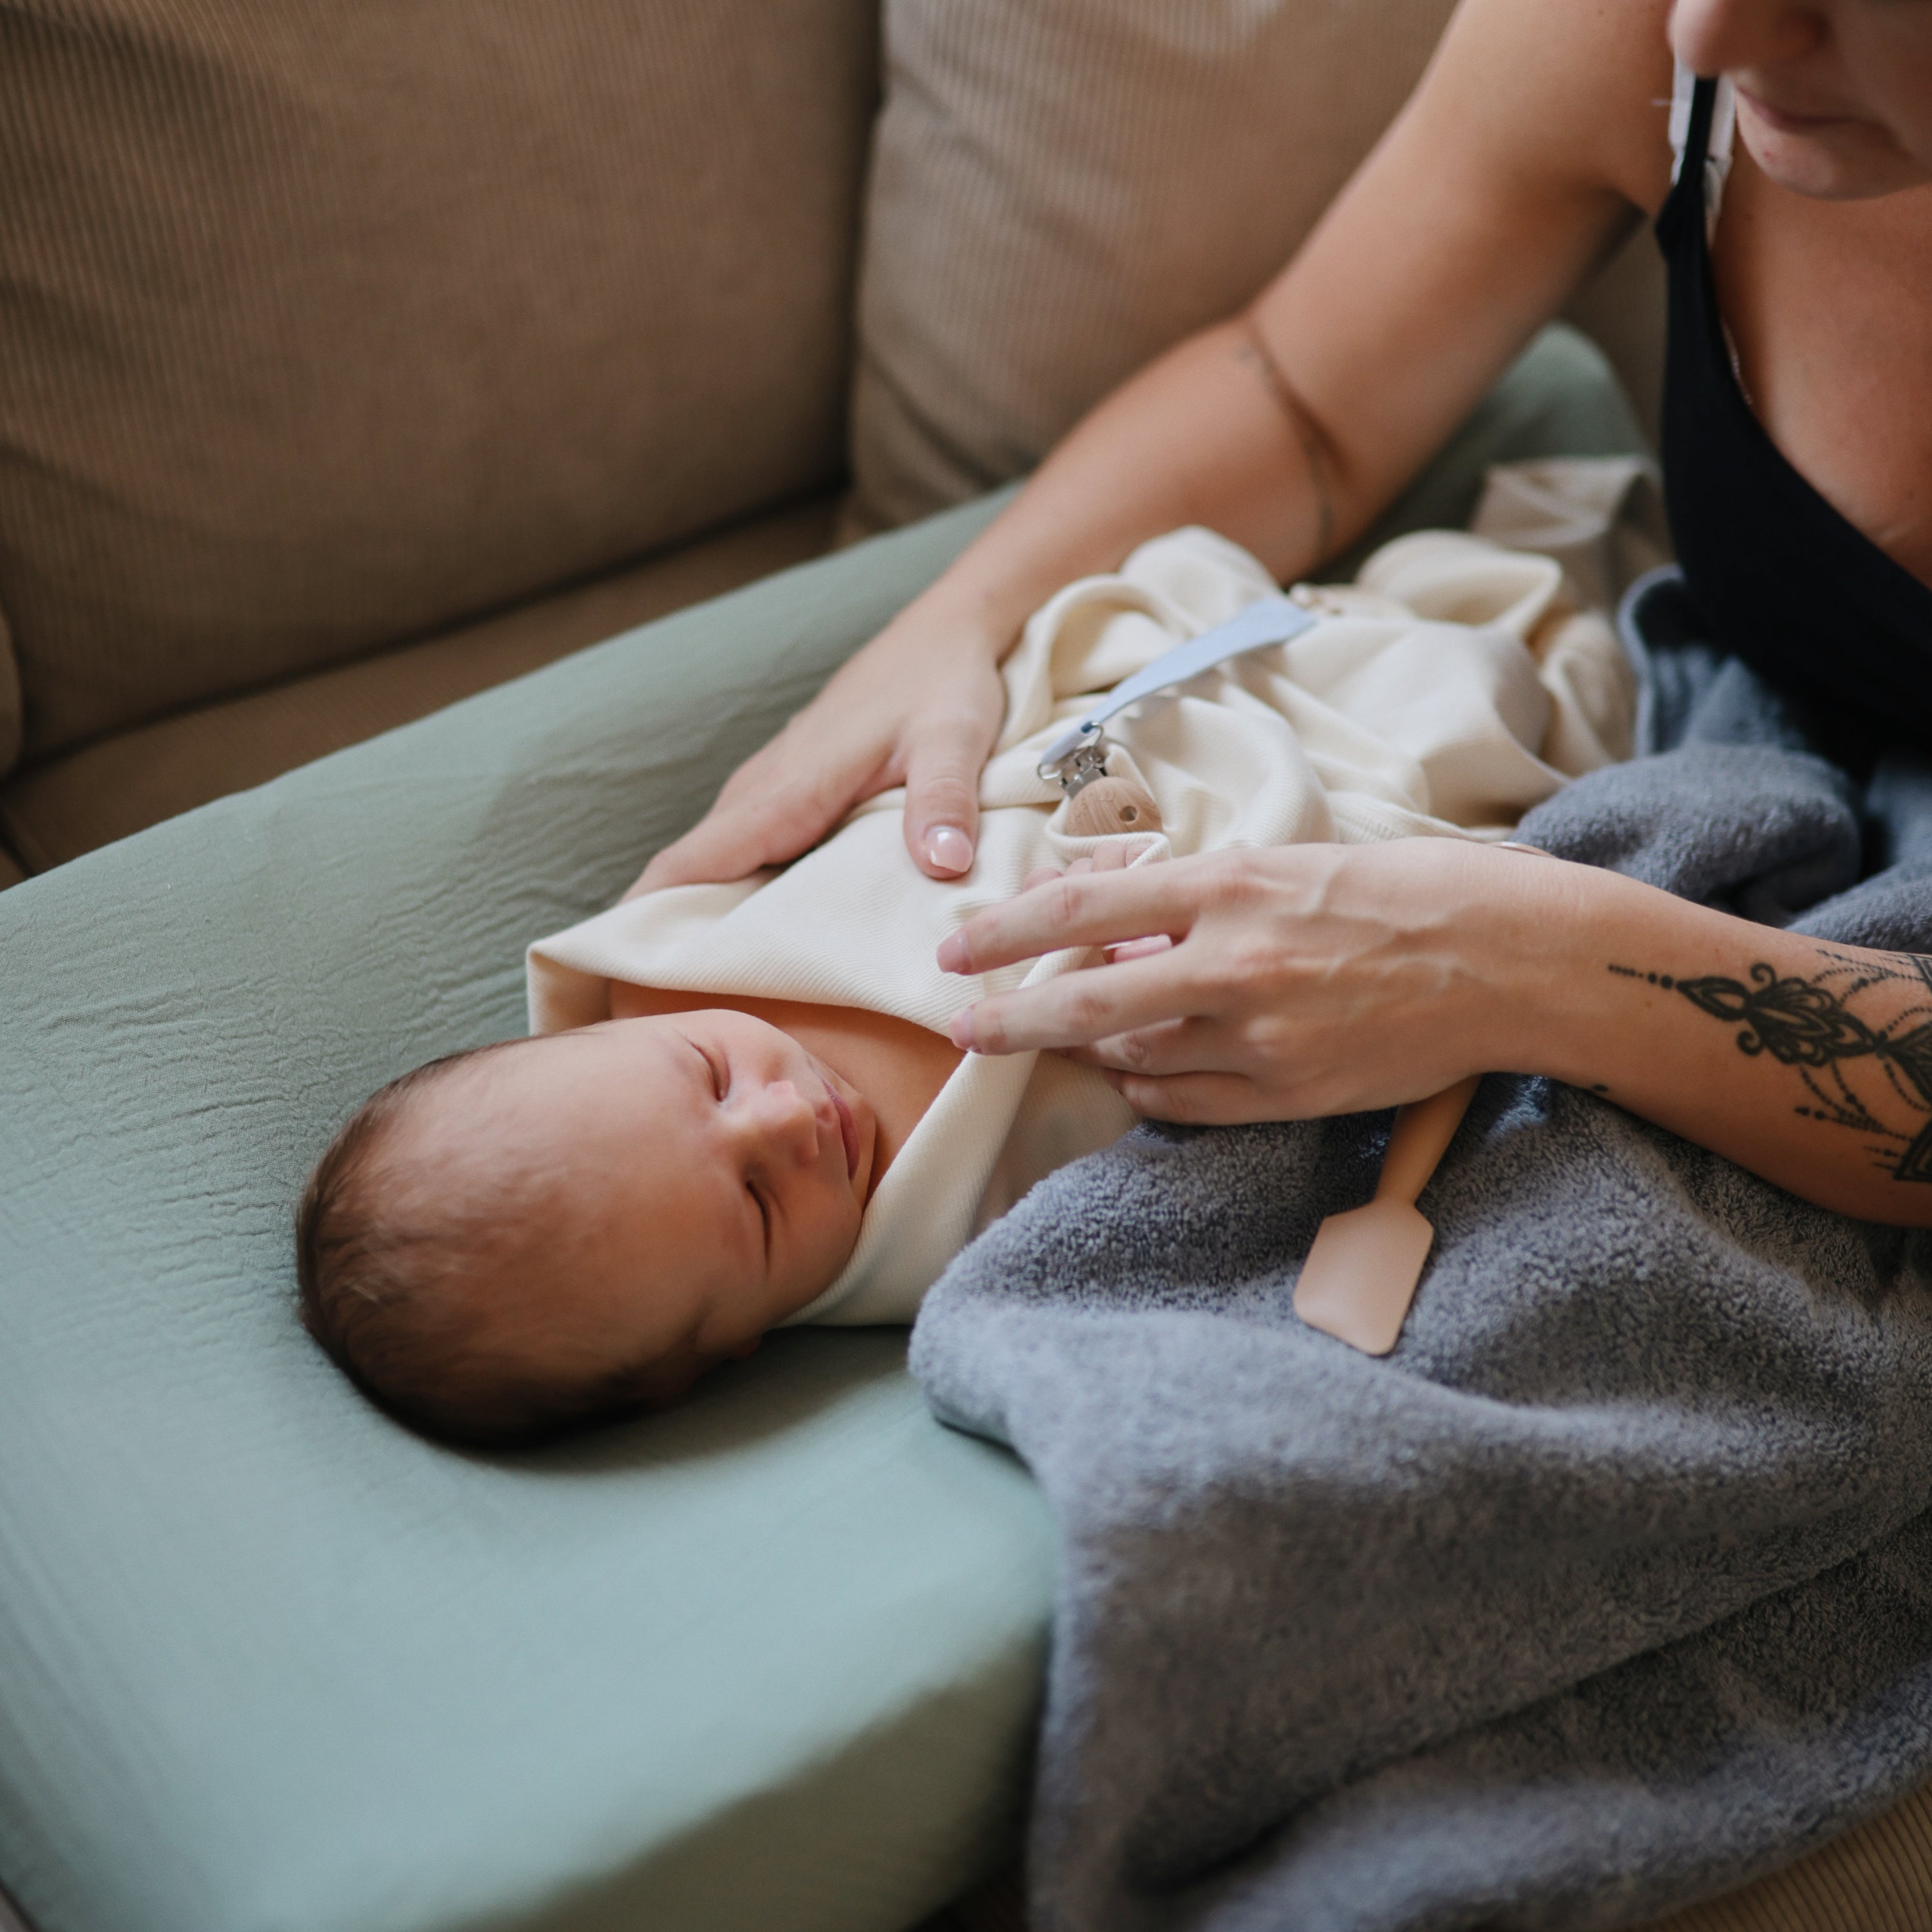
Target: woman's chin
[[1828, 161]]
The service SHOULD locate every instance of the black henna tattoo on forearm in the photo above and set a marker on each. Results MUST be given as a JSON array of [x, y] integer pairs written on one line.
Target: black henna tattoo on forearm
[[1809, 1024]]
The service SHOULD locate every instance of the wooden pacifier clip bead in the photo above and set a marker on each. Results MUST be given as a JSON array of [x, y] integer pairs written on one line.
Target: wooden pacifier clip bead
[[1109, 806]]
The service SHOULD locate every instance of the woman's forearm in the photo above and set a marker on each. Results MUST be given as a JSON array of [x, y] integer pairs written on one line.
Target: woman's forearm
[[1203, 435], [1312, 979], [1808, 1063]]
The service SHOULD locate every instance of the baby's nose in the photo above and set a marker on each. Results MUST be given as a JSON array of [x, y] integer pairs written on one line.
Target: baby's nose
[[789, 1120]]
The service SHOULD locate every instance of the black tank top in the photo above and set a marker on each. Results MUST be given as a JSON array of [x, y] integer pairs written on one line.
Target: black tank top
[[1777, 575]]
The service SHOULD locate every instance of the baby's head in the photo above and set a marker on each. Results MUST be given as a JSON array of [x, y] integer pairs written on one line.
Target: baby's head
[[511, 1242]]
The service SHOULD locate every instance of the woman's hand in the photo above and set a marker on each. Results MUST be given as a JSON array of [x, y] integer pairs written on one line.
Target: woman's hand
[[1313, 980], [919, 706], [1303, 980], [1114, 855]]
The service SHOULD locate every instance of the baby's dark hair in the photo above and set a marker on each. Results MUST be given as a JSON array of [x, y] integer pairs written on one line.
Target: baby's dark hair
[[380, 1283]]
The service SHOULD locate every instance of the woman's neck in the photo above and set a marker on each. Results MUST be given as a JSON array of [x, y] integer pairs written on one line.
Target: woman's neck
[[1825, 304]]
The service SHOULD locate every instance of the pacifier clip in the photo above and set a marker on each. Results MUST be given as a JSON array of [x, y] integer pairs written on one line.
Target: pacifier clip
[[1076, 761]]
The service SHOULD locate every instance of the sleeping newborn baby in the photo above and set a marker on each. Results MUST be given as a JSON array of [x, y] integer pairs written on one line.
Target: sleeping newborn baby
[[738, 1107]]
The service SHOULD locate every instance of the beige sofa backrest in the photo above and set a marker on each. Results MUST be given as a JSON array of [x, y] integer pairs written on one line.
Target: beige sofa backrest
[[323, 324], [1062, 188]]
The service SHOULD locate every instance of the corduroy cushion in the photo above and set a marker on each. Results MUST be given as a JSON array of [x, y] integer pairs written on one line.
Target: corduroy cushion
[[1061, 188], [55, 810], [325, 325], [1876, 1879], [10, 697]]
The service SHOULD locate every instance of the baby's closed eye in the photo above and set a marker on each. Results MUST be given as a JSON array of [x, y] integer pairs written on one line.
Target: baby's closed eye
[[713, 1073]]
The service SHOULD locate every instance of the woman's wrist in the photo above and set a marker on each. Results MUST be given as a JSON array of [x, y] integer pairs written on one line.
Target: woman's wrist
[[1579, 935], [1546, 935], [954, 617]]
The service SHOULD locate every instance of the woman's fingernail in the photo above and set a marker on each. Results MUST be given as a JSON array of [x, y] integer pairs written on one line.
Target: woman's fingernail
[[948, 849], [960, 1031], [952, 954]]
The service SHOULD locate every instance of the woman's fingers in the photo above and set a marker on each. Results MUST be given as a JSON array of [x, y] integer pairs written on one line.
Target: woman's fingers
[[1090, 909], [942, 807], [1114, 855], [1195, 1100], [1078, 1008], [728, 843], [765, 816], [1139, 949], [920, 705], [1167, 1047], [1117, 853]]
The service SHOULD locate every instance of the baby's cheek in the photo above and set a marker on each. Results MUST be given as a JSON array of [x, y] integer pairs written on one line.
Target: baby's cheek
[[843, 1221]]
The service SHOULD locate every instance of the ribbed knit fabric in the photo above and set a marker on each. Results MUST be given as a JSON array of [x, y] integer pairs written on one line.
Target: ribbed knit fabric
[[324, 325], [1062, 188]]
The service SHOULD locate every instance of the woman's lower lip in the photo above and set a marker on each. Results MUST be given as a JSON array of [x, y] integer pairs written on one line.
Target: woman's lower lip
[[1785, 121]]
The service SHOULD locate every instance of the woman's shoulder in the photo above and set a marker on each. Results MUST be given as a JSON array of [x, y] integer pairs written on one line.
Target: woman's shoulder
[[1580, 92]]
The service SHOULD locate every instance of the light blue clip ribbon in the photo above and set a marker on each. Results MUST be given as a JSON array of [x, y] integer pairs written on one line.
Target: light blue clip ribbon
[[1079, 754]]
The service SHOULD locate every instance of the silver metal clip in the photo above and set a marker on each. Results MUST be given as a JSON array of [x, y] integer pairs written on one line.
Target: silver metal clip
[[1080, 764]]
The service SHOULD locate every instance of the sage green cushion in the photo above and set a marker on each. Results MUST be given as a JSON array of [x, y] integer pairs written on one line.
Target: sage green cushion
[[268, 1661]]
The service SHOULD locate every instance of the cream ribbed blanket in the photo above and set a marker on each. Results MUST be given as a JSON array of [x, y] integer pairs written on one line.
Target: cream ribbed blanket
[[1458, 684]]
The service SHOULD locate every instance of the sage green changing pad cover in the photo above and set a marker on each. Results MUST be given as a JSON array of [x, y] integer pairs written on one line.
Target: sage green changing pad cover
[[267, 1661]]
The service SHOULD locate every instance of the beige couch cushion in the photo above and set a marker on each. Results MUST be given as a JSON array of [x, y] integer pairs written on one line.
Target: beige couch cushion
[[10, 710], [1061, 188], [328, 324], [61, 807], [1875, 1879]]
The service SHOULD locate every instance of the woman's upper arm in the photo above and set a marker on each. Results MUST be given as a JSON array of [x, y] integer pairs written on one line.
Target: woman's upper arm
[[1534, 140]]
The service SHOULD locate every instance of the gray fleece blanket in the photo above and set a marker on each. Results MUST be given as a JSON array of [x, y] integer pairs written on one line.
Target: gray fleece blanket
[[1611, 1587]]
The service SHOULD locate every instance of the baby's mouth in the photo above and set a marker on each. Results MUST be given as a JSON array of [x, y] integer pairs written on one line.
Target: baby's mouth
[[848, 1129]]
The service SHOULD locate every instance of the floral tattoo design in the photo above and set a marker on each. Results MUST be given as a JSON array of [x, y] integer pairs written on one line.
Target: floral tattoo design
[[1809, 1024]]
